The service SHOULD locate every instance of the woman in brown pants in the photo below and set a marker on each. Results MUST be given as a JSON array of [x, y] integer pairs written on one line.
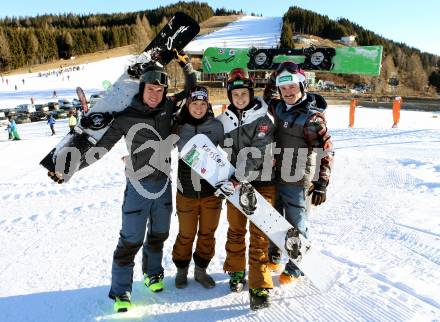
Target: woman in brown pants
[[195, 201]]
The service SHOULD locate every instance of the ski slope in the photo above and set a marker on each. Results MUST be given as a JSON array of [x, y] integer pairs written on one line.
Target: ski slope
[[380, 226], [248, 31]]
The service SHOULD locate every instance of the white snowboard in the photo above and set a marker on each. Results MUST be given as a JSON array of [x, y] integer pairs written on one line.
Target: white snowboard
[[212, 165]]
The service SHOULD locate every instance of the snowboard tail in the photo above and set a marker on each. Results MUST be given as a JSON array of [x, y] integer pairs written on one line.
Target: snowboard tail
[[362, 60], [213, 166], [95, 121]]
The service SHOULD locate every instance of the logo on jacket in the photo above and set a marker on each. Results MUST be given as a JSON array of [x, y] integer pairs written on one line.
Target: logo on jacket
[[203, 170], [286, 124], [262, 130]]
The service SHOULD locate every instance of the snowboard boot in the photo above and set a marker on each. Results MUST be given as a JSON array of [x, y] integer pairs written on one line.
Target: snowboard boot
[[154, 282], [122, 303], [203, 278], [181, 280], [288, 278], [274, 267], [259, 298], [236, 281]]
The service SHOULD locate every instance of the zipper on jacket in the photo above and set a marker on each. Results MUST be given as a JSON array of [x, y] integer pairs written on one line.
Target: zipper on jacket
[[198, 192]]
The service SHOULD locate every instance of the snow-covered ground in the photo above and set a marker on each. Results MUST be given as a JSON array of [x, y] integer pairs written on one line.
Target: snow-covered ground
[[380, 226], [89, 77]]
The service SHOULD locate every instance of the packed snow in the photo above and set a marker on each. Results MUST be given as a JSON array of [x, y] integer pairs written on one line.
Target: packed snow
[[248, 31], [380, 226]]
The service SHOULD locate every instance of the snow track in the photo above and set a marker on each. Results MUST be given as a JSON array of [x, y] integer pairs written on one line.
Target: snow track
[[379, 226]]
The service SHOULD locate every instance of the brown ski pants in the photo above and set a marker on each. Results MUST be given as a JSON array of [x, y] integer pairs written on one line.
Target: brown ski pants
[[259, 273], [203, 213]]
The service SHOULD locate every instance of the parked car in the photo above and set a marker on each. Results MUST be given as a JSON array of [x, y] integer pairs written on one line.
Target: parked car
[[3, 119], [53, 106], [59, 114], [41, 108], [25, 108], [76, 103], [38, 116], [65, 104], [94, 98], [22, 118]]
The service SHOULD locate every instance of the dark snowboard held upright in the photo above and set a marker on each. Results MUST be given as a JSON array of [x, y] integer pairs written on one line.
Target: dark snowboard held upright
[[76, 148]]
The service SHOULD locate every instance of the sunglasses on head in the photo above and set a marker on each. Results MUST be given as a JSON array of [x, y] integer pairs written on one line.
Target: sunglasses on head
[[238, 73], [291, 67]]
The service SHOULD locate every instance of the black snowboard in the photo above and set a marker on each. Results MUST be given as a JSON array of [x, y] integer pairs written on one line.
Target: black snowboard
[[72, 151]]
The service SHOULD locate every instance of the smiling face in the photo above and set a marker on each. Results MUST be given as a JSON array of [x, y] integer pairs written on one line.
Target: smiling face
[[240, 97], [153, 95], [198, 109], [291, 93]]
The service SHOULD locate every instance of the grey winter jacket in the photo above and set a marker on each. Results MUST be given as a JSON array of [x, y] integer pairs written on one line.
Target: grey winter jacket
[[249, 138]]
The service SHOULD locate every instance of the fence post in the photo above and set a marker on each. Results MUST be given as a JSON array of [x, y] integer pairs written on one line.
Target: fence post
[[396, 110], [353, 103]]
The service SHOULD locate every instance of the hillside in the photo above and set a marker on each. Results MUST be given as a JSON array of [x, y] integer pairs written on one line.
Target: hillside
[[410, 69]]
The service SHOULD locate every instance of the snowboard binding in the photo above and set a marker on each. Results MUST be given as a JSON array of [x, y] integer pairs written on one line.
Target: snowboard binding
[[136, 70], [315, 58], [97, 121], [247, 198], [293, 243]]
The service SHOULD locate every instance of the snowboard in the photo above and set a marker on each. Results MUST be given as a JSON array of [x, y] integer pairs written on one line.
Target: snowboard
[[363, 60], [73, 149], [82, 99], [212, 165]]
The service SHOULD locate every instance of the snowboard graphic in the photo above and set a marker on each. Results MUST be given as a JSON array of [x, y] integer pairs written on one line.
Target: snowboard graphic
[[213, 166], [364, 60], [67, 156], [82, 99]]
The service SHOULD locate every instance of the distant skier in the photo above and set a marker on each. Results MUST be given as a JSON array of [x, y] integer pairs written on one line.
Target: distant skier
[[72, 122], [9, 129], [13, 129], [300, 128], [51, 122], [247, 125], [198, 209]]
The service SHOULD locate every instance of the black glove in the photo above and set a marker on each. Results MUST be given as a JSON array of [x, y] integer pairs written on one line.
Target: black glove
[[318, 190], [181, 58], [56, 176], [270, 90]]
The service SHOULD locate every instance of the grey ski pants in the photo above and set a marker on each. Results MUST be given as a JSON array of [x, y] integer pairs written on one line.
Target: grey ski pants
[[141, 214]]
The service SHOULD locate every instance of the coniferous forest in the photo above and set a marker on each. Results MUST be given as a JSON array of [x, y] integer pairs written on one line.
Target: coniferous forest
[[401, 62], [25, 41], [33, 40]]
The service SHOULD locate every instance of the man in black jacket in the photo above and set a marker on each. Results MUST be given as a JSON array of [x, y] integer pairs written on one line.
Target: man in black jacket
[[146, 125]]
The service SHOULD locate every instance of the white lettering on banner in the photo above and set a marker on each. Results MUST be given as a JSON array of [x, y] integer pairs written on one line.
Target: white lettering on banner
[[170, 40]]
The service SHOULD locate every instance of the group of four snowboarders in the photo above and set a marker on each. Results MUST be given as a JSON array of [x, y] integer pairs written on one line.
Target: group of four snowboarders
[[294, 121]]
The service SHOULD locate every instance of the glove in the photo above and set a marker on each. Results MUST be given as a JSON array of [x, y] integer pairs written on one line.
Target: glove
[[272, 79], [224, 188], [181, 58], [270, 90], [318, 191], [56, 176]]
